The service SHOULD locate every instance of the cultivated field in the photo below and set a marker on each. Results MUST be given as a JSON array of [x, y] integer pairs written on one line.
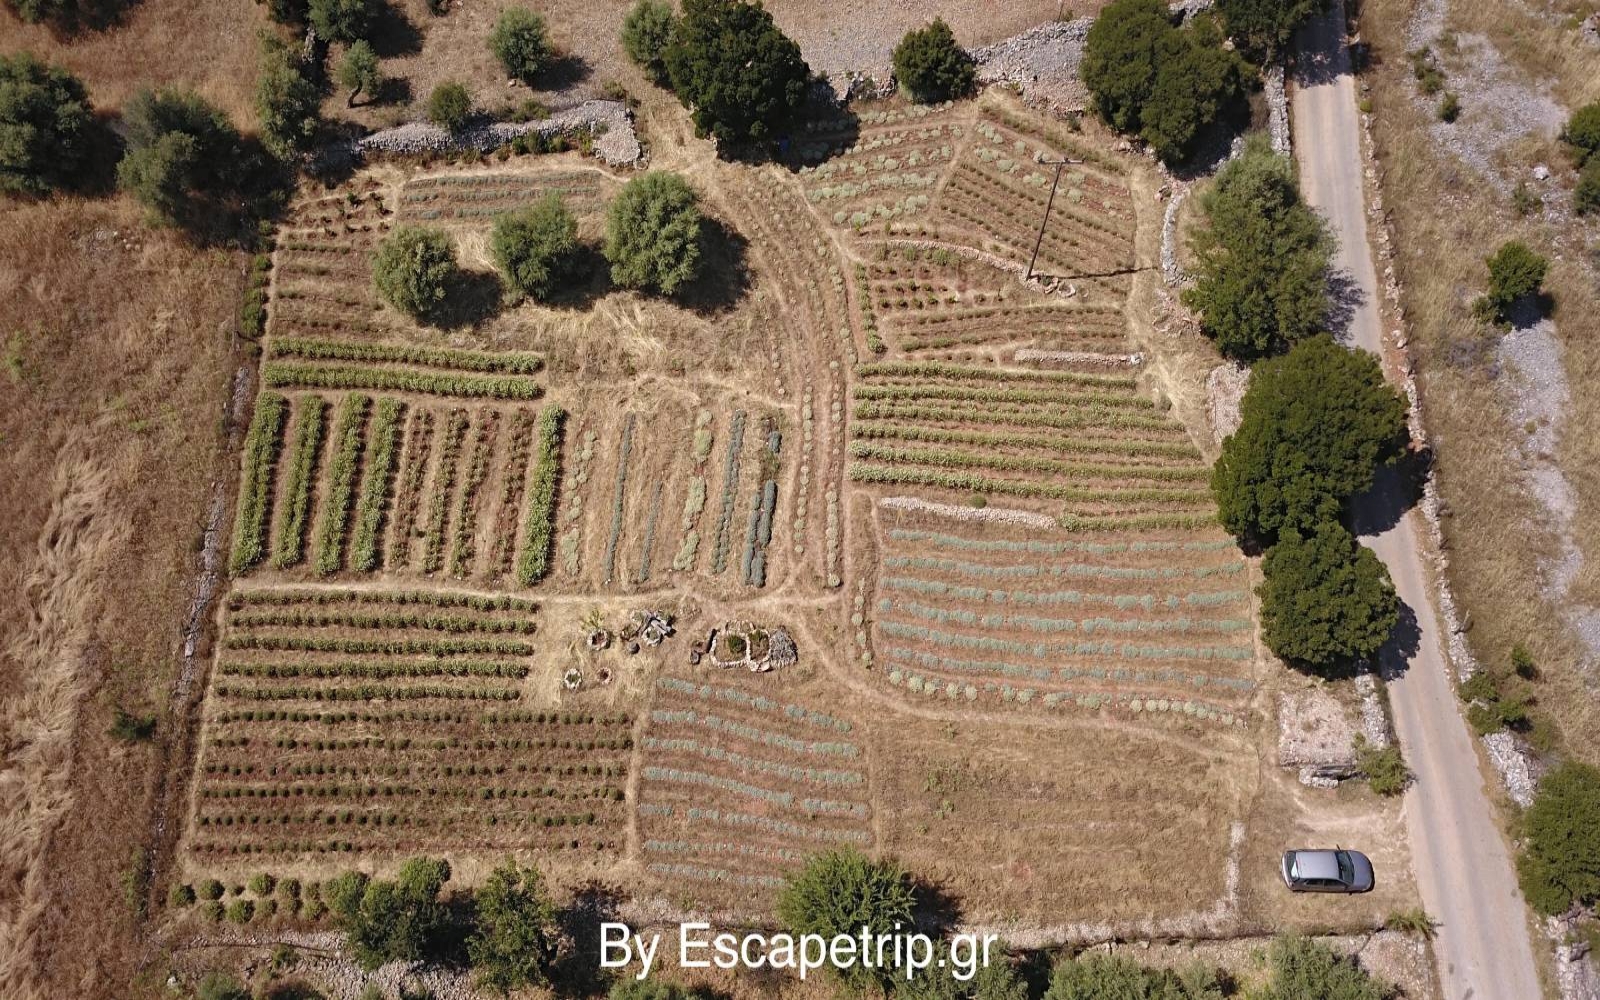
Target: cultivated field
[[1026, 658]]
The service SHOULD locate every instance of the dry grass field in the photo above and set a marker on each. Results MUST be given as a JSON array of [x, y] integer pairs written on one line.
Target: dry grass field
[[1492, 458]]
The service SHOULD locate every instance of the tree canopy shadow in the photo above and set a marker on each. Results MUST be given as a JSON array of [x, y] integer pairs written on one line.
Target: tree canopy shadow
[[394, 34], [563, 71], [1394, 659], [939, 912], [724, 278], [474, 297], [1345, 298], [576, 971], [588, 279], [810, 149], [1395, 489]]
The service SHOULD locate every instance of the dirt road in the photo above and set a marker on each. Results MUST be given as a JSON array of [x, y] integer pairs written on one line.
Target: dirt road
[[1464, 868]]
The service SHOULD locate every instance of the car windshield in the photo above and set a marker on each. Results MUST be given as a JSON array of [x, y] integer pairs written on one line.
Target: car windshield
[[1347, 871]]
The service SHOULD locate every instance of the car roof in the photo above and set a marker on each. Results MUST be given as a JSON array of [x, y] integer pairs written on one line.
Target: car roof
[[1316, 864]]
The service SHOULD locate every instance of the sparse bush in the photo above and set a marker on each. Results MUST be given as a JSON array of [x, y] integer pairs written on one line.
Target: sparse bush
[[515, 939], [288, 12], [653, 233], [1117, 977], [262, 884], [1522, 663], [1560, 862], [344, 20], [1414, 921], [359, 71], [535, 247], [44, 115], [413, 268], [646, 33], [743, 79], [1325, 600], [287, 102], [213, 911], [1449, 107], [180, 896], [842, 892], [450, 106], [521, 42], [996, 981], [1523, 199], [1582, 132], [1384, 767], [241, 911], [130, 728], [651, 989], [210, 889], [1261, 272], [1314, 425], [1495, 702], [221, 986], [931, 66]]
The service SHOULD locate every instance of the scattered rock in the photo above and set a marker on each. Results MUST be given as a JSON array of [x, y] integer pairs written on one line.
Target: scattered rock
[[616, 142]]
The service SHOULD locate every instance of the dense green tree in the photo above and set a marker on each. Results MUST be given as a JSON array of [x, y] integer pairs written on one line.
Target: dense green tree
[[359, 71], [1303, 969], [654, 231], [1116, 977], [1196, 79], [1314, 426], [646, 33], [931, 67], [1261, 259], [1582, 132], [521, 42], [44, 118], [1119, 59], [395, 920], [1265, 26], [534, 246], [843, 891], [412, 269], [286, 101], [1515, 273], [996, 981], [1151, 78], [450, 106], [183, 155], [742, 78], [344, 20], [515, 938], [1560, 862], [651, 989], [1326, 601]]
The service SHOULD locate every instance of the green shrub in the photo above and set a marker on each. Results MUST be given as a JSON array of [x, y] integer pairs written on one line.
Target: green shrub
[[996, 981], [1516, 273], [359, 71], [1117, 977], [213, 911], [334, 516], [261, 447], [521, 42], [931, 67], [44, 117], [1523, 199], [1314, 425], [180, 896], [646, 33], [344, 20], [210, 889], [392, 920], [1522, 663], [291, 542], [842, 892], [413, 269], [1384, 767], [288, 12], [538, 531], [515, 938], [1303, 969], [1560, 862], [654, 232], [1582, 132], [241, 911], [630, 988], [262, 884], [1496, 702], [221, 986], [450, 106], [1586, 196], [1326, 601], [383, 448], [131, 728], [1261, 259], [1449, 107], [1414, 922], [741, 77], [535, 247]]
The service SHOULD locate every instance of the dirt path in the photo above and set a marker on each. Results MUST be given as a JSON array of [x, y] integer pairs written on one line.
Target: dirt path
[[1464, 867]]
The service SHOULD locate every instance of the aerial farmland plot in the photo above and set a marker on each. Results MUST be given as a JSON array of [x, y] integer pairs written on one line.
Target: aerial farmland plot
[[940, 563]]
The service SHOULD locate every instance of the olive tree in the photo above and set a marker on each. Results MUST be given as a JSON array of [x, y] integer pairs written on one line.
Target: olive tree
[[741, 77], [931, 66], [359, 71], [183, 157], [534, 246], [287, 102], [842, 892], [1326, 601], [450, 106], [521, 42], [646, 33], [653, 234], [413, 269], [514, 940], [1560, 862]]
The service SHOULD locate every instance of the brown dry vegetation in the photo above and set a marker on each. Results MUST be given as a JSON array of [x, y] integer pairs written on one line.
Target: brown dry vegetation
[[1447, 220]]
